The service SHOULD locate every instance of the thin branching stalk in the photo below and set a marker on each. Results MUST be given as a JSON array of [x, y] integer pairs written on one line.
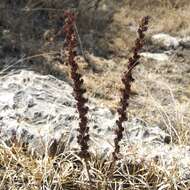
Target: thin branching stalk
[[127, 79]]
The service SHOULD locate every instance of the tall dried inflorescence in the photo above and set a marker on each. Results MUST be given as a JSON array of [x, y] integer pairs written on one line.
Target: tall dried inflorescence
[[71, 44], [127, 79]]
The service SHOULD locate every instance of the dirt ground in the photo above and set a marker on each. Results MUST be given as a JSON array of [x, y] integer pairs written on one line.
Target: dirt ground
[[161, 92]]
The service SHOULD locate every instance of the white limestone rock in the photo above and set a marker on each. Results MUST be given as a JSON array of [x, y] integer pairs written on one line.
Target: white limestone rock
[[165, 41], [155, 56], [40, 110]]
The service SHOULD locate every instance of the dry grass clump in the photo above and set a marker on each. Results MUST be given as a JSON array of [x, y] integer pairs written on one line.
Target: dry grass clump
[[21, 171], [162, 99], [66, 171]]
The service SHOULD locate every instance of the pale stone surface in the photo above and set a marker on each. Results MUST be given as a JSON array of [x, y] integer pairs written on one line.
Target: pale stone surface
[[39, 109], [155, 56], [43, 108], [165, 40]]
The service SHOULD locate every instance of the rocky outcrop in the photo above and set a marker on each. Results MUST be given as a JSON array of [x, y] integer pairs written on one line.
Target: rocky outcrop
[[40, 111], [164, 46], [168, 42], [155, 56], [165, 41]]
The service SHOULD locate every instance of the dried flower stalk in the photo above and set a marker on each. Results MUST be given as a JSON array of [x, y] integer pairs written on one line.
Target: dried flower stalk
[[71, 44], [127, 79]]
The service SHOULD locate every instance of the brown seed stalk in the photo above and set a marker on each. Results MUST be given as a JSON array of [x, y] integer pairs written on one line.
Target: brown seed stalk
[[127, 79], [71, 44]]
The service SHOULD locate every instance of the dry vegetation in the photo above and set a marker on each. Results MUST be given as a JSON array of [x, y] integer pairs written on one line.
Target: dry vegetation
[[67, 171], [160, 95]]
